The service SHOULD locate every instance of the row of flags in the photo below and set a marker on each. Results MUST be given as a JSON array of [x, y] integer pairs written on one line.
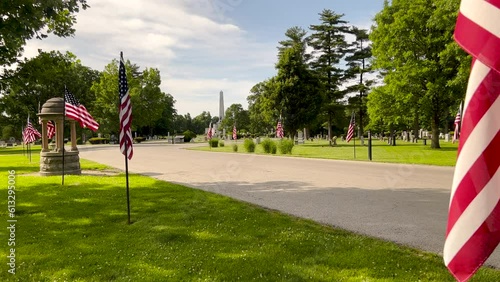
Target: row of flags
[[77, 111], [73, 110], [31, 134]]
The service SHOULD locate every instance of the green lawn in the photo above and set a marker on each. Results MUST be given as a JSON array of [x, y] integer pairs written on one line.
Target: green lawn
[[403, 152], [78, 232]]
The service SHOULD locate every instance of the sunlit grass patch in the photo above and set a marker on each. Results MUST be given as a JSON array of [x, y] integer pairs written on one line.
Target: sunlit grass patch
[[79, 232]]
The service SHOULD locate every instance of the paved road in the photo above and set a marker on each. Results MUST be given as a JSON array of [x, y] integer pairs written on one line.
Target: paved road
[[406, 204]]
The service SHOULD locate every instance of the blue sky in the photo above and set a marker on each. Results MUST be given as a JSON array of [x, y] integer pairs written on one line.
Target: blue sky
[[200, 46]]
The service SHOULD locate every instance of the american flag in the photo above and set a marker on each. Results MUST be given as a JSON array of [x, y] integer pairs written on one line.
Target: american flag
[[350, 130], [209, 132], [125, 112], [279, 130], [473, 230], [51, 129], [456, 133], [235, 135], [30, 134], [78, 112]]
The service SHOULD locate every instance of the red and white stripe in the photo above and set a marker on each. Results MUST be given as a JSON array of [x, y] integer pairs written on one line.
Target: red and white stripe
[[473, 230], [51, 129], [209, 132], [30, 134], [350, 130], [235, 134], [125, 112], [279, 130], [458, 120]]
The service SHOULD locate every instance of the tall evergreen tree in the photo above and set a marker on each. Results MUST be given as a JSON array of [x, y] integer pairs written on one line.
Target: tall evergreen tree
[[330, 46], [298, 91], [296, 37], [358, 62]]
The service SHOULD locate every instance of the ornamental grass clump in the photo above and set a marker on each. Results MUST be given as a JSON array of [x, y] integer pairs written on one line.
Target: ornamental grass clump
[[214, 142], [249, 145], [267, 145], [286, 146]]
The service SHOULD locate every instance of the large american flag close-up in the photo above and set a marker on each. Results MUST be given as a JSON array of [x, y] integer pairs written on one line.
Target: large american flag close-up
[[125, 113], [473, 230]]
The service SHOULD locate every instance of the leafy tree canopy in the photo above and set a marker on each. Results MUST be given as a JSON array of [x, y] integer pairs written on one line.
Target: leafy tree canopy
[[22, 20]]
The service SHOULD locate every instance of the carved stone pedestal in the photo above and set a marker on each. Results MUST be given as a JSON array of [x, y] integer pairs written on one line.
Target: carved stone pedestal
[[51, 163]]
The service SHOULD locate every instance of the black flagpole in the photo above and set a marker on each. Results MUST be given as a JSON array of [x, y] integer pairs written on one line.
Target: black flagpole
[[126, 176], [22, 134], [354, 139], [354, 132], [62, 130], [126, 148]]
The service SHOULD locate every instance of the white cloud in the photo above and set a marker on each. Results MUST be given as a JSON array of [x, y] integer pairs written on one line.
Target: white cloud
[[198, 51]]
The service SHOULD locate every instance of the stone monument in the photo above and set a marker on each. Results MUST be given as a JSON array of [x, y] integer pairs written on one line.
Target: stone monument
[[220, 133], [51, 161]]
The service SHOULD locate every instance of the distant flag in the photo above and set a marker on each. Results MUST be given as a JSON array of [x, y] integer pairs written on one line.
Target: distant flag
[[78, 112], [125, 112], [350, 130], [51, 129], [279, 130], [30, 134], [209, 133], [458, 119], [235, 135], [473, 230]]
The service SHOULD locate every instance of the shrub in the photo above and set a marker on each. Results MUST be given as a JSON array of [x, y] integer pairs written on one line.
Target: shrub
[[188, 135], [214, 142], [286, 146], [274, 148], [98, 140], [221, 143], [139, 139], [266, 145], [235, 147], [249, 145]]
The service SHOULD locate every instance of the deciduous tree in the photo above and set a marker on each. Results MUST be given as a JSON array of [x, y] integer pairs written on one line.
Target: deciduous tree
[[23, 20]]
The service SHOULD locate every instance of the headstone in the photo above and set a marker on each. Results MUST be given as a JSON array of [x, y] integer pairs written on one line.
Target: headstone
[[447, 137]]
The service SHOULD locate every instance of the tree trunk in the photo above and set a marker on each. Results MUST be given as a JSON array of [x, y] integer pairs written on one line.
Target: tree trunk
[[415, 128], [435, 133]]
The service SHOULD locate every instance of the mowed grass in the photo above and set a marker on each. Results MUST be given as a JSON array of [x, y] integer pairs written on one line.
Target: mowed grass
[[403, 152], [79, 232]]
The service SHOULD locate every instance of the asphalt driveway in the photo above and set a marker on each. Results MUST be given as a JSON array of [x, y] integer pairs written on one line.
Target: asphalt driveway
[[406, 204]]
